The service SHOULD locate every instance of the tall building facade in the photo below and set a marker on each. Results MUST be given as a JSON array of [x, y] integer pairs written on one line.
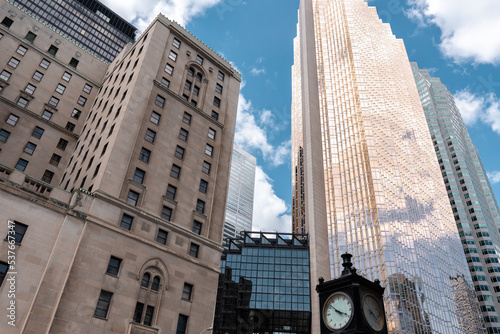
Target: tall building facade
[[240, 195], [130, 240], [264, 285], [87, 23], [469, 191], [371, 184]]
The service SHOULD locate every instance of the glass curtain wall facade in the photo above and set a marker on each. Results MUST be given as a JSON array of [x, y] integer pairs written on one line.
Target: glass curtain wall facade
[[469, 191], [359, 117], [239, 210], [264, 285], [87, 23]]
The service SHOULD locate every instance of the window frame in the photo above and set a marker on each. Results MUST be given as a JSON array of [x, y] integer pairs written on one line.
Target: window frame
[[126, 221], [114, 265], [105, 298]]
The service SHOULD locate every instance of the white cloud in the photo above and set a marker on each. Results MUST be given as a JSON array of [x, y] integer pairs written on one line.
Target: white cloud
[[142, 12], [475, 108], [257, 71], [494, 177], [469, 29], [270, 211], [251, 133]]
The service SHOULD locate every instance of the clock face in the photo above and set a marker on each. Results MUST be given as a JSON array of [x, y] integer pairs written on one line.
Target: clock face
[[373, 313], [338, 311]]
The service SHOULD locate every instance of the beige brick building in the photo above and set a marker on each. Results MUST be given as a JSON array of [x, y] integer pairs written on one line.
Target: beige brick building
[[116, 178]]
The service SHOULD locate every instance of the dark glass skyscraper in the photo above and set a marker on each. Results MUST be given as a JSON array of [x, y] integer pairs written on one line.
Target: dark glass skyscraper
[[264, 285], [87, 23]]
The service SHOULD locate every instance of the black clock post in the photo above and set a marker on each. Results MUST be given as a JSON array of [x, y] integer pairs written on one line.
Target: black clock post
[[351, 304]]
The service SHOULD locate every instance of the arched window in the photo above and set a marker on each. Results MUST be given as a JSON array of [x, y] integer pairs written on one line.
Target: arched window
[[194, 84], [154, 280], [156, 283], [145, 280]]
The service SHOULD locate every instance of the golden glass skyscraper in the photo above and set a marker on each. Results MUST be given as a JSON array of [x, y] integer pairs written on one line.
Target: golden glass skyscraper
[[366, 178]]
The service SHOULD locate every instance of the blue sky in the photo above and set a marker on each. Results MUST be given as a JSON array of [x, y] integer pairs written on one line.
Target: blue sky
[[457, 40]]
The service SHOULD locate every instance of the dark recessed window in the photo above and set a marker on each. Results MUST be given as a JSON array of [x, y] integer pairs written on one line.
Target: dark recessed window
[[67, 76], [172, 55], [193, 250], [179, 152], [166, 213], [165, 82], [171, 191], [81, 100], [21, 50], [47, 115], [70, 126], [38, 132], [182, 324], [19, 232], [199, 59], [187, 291], [209, 150], [12, 119], [188, 85], [190, 71], [55, 159], [175, 172], [218, 88], [53, 50], [215, 115], [211, 133], [4, 268], [150, 135], [133, 197], [30, 89], [145, 155], [60, 89], [196, 90], [183, 134], [126, 221], [7, 22], [4, 135], [203, 186], [206, 167], [176, 43], [30, 36], [169, 69], [199, 77], [73, 62], [45, 63], [186, 118], [156, 283], [38, 76], [62, 144], [101, 310], [54, 101], [161, 238], [155, 118], [22, 102], [5, 75], [87, 88], [21, 164], [197, 226], [14, 62], [139, 175], [114, 266], [200, 206], [30, 148], [160, 101], [76, 113], [220, 75], [139, 309], [146, 278], [216, 102], [47, 176]]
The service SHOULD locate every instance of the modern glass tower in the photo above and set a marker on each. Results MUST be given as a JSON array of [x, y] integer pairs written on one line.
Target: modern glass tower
[[239, 208], [469, 191], [371, 182]]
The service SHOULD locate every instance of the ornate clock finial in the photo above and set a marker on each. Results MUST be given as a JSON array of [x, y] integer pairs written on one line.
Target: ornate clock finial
[[347, 264], [321, 280]]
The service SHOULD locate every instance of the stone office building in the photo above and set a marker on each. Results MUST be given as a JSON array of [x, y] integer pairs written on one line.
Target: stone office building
[[115, 178]]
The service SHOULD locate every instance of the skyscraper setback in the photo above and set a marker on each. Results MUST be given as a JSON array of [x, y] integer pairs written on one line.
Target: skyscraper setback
[[366, 177], [471, 197]]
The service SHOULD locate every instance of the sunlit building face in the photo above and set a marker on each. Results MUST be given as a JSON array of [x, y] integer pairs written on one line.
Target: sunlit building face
[[358, 128]]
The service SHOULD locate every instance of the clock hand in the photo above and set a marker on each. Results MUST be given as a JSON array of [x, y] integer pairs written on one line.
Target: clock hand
[[339, 312], [371, 312]]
